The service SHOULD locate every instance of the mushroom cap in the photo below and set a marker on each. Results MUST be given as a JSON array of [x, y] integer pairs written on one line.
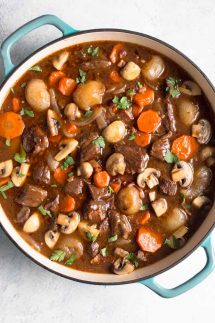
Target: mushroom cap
[[122, 267], [37, 95], [142, 177], [202, 131], [116, 164], [187, 172]]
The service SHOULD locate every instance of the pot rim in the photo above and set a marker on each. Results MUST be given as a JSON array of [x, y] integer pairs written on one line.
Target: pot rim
[[89, 31]]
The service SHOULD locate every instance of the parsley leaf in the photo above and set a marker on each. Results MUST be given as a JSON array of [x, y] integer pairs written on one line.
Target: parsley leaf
[[110, 190], [44, 211], [90, 236], [100, 142], [132, 258], [36, 68], [71, 174], [26, 112], [139, 84], [82, 77], [104, 252], [131, 137], [88, 113], [54, 185], [170, 157], [71, 259], [172, 87], [20, 157], [172, 242], [144, 207], [68, 162], [58, 255], [93, 51], [122, 103], [6, 187], [113, 238], [131, 92], [23, 85], [8, 142], [12, 90]]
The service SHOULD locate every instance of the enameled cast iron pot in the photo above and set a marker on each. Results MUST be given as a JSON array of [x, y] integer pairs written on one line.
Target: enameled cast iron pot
[[201, 238]]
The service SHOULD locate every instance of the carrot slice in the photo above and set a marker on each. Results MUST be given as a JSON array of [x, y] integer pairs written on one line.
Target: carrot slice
[[115, 77], [142, 139], [118, 51], [101, 179], [149, 240], [115, 186], [11, 125], [185, 147], [136, 109], [55, 76], [144, 217], [148, 121], [4, 181], [144, 98], [71, 128], [16, 104], [67, 204], [55, 139], [66, 86], [60, 175]]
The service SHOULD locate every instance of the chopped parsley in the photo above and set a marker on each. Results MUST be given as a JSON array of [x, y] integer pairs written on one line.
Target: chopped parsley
[[54, 185], [90, 236], [139, 84], [99, 142], [67, 162], [132, 258], [171, 158], [104, 252], [71, 259], [131, 137], [88, 113], [8, 142], [23, 85], [44, 211], [122, 103], [5, 188], [82, 77], [172, 242], [20, 157], [183, 201], [12, 90], [93, 51], [36, 68], [172, 87], [71, 174], [58, 255], [131, 92], [20, 175], [26, 112], [113, 238], [110, 190], [144, 207]]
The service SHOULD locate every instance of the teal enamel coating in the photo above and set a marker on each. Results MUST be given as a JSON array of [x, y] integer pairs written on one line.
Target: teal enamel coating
[[66, 31], [27, 28], [192, 282]]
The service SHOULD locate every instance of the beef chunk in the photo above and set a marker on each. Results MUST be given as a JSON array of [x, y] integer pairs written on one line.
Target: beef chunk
[[160, 146], [126, 116], [28, 139], [34, 140], [169, 120], [41, 174], [104, 227], [74, 187], [136, 157], [53, 205], [119, 224], [167, 186], [88, 149], [31, 196], [93, 249], [96, 210], [23, 215], [98, 193]]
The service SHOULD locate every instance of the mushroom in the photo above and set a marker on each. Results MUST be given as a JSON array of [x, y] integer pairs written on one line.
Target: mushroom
[[88, 232], [89, 94], [51, 238], [37, 95], [122, 267], [174, 219], [120, 252], [152, 196], [207, 152], [201, 200], [154, 68], [114, 132], [60, 60], [68, 223], [53, 122], [128, 199], [71, 245], [72, 112], [187, 111], [183, 173], [130, 71], [20, 174], [85, 170], [116, 164], [6, 168], [149, 176], [52, 163], [159, 206], [69, 145], [202, 131], [190, 88], [33, 223]]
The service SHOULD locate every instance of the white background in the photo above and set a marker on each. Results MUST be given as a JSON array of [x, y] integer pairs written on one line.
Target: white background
[[28, 293]]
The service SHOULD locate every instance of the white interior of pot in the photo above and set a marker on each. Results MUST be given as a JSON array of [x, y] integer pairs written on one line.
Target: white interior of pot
[[210, 219]]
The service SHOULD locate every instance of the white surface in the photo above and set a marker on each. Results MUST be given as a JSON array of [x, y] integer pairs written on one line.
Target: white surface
[[27, 292]]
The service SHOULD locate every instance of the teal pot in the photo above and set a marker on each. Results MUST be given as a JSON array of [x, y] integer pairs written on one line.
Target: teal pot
[[201, 238]]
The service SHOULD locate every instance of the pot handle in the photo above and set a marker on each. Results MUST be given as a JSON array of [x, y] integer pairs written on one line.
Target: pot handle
[[192, 282], [24, 30]]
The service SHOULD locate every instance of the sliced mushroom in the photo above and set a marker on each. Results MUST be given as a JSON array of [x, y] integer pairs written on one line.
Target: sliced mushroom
[[69, 145], [122, 267], [68, 223], [114, 132], [187, 111], [88, 232], [72, 112], [159, 206], [20, 174], [207, 152], [180, 232], [52, 163], [154, 68], [33, 223], [190, 88], [6, 168], [53, 122], [183, 173], [51, 238], [202, 131], [70, 245], [201, 200], [60, 60], [130, 71], [85, 170], [120, 252], [37, 95], [129, 201], [174, 219], [116, 164], [149, 176]]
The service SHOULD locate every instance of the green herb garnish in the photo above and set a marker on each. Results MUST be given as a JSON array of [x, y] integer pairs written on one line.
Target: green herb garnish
[[90, 236], [71, 259], [122, 103], [131, 137], [132, 258], [44, 211], [144, 207], [20, 157], [36, 68], [20, 175], [93, 51], [110, 190], [100, 142], [172, 87], [104, 252], [5, 188], [8, 142], [113, 238], [68, 162], [54, 185], [12, 90], [82, 77], [71, 174], [26, 112], [131, 92], [88, 113], [23, 85], [139, 84], [171, 158], [58, 255], [172, 242]]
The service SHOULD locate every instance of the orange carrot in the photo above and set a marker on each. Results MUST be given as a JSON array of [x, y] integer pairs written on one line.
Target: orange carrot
[[71, 128], [136, 110], [54, 77], [16, 104], [115, 186], [55, 139], [148, 121], [101, 179], [149, 240], [11, 125], [185, 147], [67, 204], [118, 51], [66, 86], [60, 175], [142, 139], [4, 181], [144, 217], [144, 98], [115, 77]]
